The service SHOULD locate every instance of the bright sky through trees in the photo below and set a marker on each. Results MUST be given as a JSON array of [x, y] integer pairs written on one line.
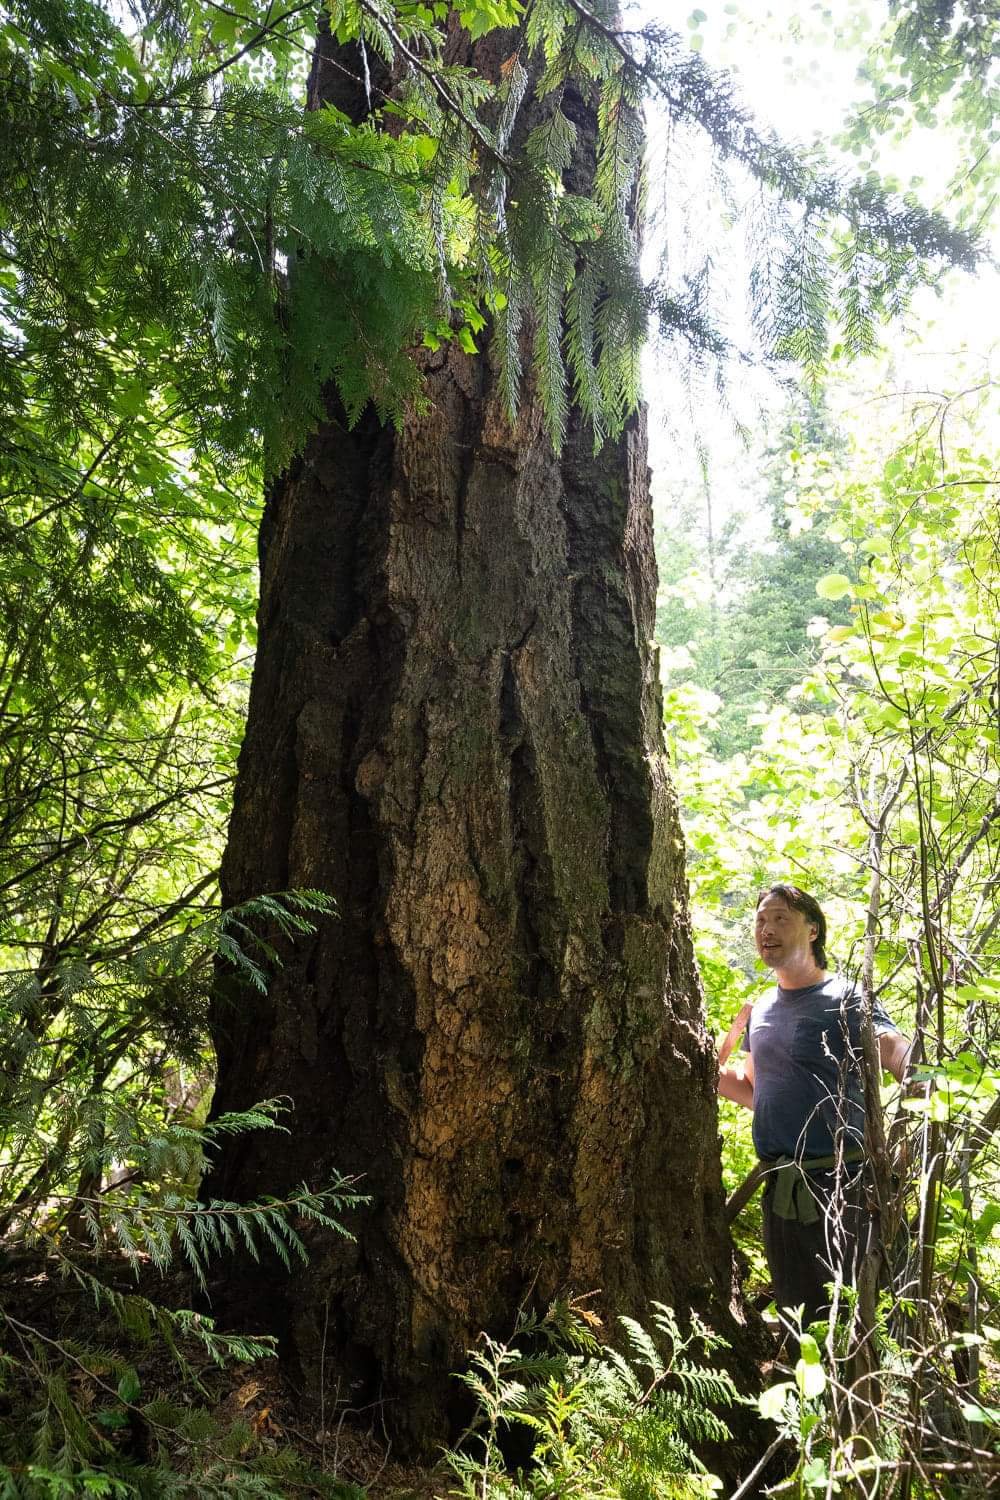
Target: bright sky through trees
[[798, 70]]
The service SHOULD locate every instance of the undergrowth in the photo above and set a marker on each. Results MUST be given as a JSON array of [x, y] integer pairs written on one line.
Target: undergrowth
[[109, 1384], [603, 1423]]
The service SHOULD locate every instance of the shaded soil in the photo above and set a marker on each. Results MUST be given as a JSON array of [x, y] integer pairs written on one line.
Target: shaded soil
[[54, 1318]]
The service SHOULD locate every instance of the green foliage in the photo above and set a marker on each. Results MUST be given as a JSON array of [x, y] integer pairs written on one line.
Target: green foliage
[[824, 1413], [144, 1230], [740, 618], [876, 786], [619, 1425], [92, 1152], [828, 255], [931, 70], [157, 185], [89, 1431], [86, 1096], [84, 1423], [903, 686], [187, 253]]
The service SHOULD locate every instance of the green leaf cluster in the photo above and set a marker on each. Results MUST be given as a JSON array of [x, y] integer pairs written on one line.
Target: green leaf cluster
[[876, 786], [742, 617], [619, 1424], [930, 73]]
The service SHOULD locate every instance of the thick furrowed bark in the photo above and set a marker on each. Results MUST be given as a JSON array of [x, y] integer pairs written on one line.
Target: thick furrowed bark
[[454, 728]]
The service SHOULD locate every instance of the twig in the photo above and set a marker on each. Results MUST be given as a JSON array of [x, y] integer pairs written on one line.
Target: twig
[[758, 1468]]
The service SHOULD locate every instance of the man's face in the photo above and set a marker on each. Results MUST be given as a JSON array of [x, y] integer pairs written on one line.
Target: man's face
[[783, 935]]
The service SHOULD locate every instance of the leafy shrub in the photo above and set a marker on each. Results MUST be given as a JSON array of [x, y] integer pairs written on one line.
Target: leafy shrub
[[96, 1179], [604, 1424]]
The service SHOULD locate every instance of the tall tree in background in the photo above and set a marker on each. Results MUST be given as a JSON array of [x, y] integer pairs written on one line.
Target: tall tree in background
[[752, 638]]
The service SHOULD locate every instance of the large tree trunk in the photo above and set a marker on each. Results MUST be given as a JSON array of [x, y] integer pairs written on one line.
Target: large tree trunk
[[455, 729]]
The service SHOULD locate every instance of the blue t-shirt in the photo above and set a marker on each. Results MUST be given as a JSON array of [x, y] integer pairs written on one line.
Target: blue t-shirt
[[806, 1050]]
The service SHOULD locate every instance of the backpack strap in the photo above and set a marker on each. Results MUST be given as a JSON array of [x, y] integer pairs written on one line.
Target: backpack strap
[[735, 1031]]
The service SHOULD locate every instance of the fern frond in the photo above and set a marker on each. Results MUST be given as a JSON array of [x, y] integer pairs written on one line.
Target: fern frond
[[643, 1348]]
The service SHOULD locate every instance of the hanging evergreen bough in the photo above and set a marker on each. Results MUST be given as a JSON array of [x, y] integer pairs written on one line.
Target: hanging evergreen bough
[[161, 179], [83, 1118]]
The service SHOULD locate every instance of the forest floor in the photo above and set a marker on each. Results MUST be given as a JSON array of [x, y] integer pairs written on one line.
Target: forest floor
[[56, 1343], [243, 1417]]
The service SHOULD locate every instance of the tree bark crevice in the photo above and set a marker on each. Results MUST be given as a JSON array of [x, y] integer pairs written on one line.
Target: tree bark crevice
[[454, 729], [501, 1031]]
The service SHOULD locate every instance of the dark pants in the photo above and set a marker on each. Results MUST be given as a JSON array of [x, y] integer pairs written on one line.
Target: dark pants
[[802, 1258]]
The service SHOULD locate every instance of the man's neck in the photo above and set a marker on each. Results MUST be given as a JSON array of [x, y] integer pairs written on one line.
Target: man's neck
[[801, 978]]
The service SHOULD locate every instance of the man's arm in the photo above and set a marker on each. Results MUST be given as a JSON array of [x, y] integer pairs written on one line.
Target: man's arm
[[737, 1083], [893, 1053]]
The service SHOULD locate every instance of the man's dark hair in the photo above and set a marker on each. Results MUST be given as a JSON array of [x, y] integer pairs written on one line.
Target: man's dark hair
[[810, 908]]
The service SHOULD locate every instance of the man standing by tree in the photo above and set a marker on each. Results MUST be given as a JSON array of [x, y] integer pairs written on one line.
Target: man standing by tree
[[802, 1080]]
